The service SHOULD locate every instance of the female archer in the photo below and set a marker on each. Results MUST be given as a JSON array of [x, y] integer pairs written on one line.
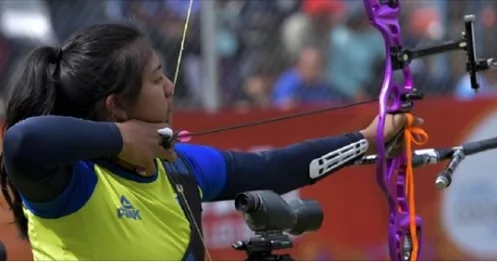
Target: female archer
[[83, 169]]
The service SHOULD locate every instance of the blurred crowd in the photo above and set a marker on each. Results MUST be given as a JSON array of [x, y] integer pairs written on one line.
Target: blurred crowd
[[278, 53]]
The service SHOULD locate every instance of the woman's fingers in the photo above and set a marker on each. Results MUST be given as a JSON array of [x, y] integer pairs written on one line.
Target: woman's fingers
[[418, 121]]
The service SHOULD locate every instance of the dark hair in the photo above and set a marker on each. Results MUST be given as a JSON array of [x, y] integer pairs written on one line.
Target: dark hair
[[75, 80]]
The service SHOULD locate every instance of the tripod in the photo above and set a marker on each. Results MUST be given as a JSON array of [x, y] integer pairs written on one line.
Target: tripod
[[260, 248]]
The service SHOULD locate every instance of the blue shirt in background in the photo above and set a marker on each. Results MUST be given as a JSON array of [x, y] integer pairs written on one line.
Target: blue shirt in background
[[291, 87], [353, 56]]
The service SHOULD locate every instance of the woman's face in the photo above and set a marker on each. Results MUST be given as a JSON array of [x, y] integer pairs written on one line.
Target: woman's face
[[155, 101]]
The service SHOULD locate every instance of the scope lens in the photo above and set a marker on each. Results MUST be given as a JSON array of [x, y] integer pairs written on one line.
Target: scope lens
[[308, 216], [247, 202]]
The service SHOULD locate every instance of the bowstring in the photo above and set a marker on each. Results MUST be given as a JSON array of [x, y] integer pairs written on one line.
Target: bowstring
[[183, 40], [176, 73]]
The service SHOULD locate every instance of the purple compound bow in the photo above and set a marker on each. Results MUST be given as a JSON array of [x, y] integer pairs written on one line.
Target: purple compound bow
[[398, 98]]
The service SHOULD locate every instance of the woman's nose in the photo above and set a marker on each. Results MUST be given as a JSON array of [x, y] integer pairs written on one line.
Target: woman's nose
[[168, 88]]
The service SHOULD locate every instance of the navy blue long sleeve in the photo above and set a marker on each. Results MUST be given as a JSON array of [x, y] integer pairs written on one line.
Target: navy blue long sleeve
[[223, 174], [38, 151], [281, 170], [41, 153]]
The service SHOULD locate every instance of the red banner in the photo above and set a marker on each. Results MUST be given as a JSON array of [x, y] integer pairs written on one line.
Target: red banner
[[458, 221]]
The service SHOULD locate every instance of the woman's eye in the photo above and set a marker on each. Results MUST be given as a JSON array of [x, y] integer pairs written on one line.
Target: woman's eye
[[158, 80]]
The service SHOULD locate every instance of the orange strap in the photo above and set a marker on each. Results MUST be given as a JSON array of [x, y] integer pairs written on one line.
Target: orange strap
[[412, 135]]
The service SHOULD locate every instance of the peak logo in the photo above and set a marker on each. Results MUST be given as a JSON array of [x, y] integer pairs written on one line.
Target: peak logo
[[127, 210]]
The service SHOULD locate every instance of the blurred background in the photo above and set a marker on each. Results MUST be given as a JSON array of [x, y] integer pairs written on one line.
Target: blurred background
[[250, 59], [244, 54]]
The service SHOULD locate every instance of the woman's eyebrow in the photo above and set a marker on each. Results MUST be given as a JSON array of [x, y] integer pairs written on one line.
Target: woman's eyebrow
[[157, 68]]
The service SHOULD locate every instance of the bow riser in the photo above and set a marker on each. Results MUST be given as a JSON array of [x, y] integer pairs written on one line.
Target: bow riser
[[398, 98], [390, 173]]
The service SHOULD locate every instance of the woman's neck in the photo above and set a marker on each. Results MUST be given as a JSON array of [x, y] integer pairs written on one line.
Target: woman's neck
[[130, 167]]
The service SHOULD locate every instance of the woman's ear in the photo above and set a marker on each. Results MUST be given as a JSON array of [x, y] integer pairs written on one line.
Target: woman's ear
[[116, 109]]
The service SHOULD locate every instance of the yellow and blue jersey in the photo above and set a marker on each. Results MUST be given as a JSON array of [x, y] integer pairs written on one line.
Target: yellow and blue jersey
[[108, 213], [81, 206]]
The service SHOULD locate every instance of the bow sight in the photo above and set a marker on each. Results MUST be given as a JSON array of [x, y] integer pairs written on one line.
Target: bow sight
[[401, 57]]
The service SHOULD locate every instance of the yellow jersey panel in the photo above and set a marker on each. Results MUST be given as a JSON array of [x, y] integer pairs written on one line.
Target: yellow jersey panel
[[122, 220]]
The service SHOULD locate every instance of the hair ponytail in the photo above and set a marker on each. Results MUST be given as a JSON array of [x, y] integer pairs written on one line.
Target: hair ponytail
[[32, 92], [35, 82]]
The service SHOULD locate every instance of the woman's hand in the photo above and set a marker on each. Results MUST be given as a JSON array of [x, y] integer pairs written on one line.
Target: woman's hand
[[142, 144], [394, 124]]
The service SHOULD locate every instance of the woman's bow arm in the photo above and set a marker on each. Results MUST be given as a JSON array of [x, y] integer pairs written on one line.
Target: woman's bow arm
[[223, 174]]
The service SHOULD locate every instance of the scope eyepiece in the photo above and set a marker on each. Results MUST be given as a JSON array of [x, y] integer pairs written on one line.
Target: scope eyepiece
[[247, 203]]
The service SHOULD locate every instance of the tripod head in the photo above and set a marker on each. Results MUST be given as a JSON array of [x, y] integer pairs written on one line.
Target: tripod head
[[260, 247]]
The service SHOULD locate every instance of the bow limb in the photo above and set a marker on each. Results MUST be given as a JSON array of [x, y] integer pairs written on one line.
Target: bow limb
[[404, 232]]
